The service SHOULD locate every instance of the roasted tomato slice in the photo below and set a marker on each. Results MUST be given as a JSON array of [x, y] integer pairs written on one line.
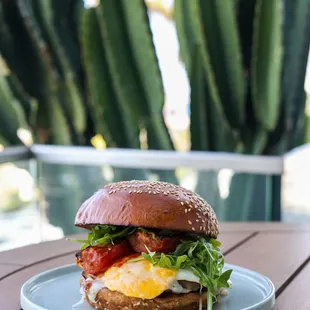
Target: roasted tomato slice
[[94, 260], [140, 240]]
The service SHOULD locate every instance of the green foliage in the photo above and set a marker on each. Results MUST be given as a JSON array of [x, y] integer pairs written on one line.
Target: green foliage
[[101, 235], [147, 68], [246, 62], [202, 257], [223, 137], [68, 88], [253, 80], [12, 116], [76, 72], [73, 83], [200, 136], [124, 75], [29, 104], [245, 59], [221, 35], [266, 62], [100, 91]]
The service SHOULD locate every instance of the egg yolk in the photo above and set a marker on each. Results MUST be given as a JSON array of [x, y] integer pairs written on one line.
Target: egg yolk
[[139, 279]]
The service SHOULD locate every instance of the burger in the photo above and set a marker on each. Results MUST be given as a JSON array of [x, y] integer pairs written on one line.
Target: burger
[[150, 245]]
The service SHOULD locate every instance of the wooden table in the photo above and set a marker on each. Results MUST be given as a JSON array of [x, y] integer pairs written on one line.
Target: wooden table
[[279, 251]]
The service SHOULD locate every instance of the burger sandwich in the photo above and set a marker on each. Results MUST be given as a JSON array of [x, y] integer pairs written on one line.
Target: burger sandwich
[[151, 245]]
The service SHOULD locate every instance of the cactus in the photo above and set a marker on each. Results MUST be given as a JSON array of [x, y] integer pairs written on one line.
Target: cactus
[[71, 97], [296, 48], [222, 40], [265, 114], [100, 91], [75, 72], [12, 116], [66, 20], [270, 102], [223, 137], [146, 65], [199, 111], [52, 110], [29, 104], [123, 74], [266, 62]]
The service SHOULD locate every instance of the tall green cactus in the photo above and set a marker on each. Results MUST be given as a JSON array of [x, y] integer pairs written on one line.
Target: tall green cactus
[[71, 97], [252, 104], [12, 116], [146, 65], [77, 72], [47, 46], [28, 103], [263, 83], [223, 137], [101, 95], [266, 62], [221, 34]]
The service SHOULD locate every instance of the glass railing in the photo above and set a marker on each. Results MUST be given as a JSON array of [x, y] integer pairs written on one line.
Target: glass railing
[[43, 187]]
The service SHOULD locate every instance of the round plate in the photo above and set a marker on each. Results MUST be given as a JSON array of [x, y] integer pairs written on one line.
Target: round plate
[[59, 289]]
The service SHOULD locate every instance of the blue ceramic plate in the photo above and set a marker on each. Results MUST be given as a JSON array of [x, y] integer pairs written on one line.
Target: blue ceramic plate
[[58, 289]]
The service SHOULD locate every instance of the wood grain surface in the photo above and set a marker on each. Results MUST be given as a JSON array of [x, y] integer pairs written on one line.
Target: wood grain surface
[[279, 251]]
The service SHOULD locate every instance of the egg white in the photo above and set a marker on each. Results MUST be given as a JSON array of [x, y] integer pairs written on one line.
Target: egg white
[[141, 279]]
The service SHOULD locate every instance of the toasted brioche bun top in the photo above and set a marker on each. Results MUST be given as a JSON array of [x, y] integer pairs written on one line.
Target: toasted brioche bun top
[[149, 204]]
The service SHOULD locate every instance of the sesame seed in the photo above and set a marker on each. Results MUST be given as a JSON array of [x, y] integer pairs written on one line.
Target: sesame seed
[[185, 210], [189, 222], [178, 198], [150, 192], [193, 228], [197, 221], [182, 203]]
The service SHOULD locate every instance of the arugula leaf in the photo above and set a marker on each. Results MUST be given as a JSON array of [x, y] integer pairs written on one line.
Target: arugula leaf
[[101, 235], [165, 261], [203, 258], [224, 277], [215, 243]]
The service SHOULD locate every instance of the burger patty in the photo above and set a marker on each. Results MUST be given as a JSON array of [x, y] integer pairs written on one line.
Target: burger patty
[[140, 241], [108, 300]]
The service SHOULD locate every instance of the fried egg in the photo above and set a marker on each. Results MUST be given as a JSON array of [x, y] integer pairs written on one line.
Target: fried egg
[[141, 279]]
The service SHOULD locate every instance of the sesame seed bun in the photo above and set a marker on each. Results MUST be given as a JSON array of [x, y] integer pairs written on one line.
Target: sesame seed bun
[[149, 204]]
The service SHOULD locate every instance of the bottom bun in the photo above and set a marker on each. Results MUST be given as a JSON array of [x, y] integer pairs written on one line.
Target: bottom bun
[[108, 300]]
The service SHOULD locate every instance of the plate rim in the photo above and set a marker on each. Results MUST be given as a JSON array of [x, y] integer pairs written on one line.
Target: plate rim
[[25, 301]]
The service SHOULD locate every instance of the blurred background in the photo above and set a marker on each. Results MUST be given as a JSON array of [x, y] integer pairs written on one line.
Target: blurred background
[[209, 94]]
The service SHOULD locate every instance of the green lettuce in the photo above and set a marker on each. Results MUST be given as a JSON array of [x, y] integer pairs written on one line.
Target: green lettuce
[[101, 235], [203, 258]]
